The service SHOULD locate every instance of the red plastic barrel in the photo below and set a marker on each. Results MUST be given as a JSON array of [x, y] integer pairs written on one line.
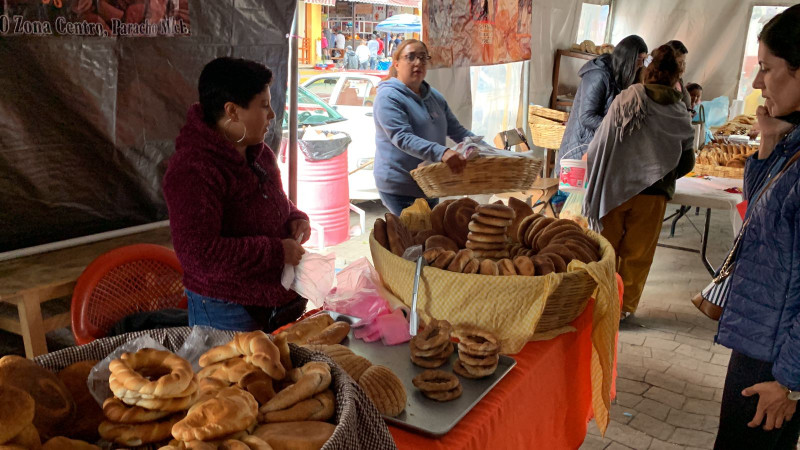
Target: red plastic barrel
[[323, 193]]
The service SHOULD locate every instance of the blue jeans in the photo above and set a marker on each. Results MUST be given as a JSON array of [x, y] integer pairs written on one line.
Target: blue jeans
[[224, 315], [397, 203]]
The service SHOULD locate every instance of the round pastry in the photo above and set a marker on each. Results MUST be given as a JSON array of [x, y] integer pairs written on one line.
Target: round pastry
[[296, 334], [318, 407], [331, 350], [437, 216], [524, 266], [496, 210], [472, 266], [558, 249], [118, 388], [553, 230], [444, 396], [543, 264], [489, 267], [477, 227], [379, 230], [491, 220], [492, 254], [354, 365], [460, 261], [572, 236], [231, 410], [16, 411], [486, 246], [399, 236], [559, 265], [310, 379], [431, 254], [416, 351], [54, 408], [333, 334], [428, 362], [506, 267], [259, 350], [231, 370], [162, 404], [133, 435], [521, 211], [535, 228], [435, 380], [580, 251], [131, 371], [308, 434], [88, 411], [524, 225], [490, 238], [479, 360], [477, 341], [421, 236], [116, 411], [444, 260], [441, 241], [456, 219], [384, 389], [63, 443], [459, 369], [435, 335]]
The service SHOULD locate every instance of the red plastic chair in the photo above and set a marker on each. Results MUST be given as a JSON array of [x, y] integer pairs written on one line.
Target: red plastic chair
[[126, 280]]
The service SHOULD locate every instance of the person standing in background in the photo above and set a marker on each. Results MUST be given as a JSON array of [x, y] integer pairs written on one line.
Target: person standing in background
[[363, 53], [374, 49], [696, 95], [339, 42], [381, 46], [681, 51]]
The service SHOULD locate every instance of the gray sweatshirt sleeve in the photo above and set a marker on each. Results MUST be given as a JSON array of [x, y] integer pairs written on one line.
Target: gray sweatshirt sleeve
[[391, 116]]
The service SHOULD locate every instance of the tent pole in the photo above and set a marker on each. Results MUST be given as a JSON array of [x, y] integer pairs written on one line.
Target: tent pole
[[293, 81], [353, 5]]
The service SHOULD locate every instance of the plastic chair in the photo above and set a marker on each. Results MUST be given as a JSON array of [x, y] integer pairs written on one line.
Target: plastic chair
[[126, 280]]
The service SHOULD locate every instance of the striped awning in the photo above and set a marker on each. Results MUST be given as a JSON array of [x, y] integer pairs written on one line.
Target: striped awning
[[405, 3], [321, 2]]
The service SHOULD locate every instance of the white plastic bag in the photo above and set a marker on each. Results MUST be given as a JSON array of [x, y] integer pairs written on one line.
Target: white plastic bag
[[312, 278]]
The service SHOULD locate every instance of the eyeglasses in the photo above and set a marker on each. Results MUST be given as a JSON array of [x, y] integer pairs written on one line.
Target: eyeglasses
[[422, 57]]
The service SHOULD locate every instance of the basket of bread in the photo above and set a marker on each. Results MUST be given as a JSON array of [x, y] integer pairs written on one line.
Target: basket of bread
[[481, 175], [590, 47], [547, 126], [501, 268], [253, 392], [738, 126], [723, 160]]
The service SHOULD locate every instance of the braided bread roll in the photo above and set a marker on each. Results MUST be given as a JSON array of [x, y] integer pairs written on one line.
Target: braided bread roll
[[312, 378], [257, 349], [230, 411]]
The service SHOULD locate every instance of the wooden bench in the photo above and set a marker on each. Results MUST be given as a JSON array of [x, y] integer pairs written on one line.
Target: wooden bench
[[28, 282]]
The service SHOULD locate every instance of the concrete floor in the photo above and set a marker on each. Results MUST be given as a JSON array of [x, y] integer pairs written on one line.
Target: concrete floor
[[670, 373]]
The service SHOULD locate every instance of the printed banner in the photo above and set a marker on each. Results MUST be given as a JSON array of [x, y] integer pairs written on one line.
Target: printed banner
[[100, 18], [476, 32]]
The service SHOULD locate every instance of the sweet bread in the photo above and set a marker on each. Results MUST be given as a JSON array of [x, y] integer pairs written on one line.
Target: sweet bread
[[478, 360], [117, 411], [257, 349], [303, 435], [492, 254], [282, 343], [119, 390], [318, 407], [399, 236], [558, 249], [162, 404], [379, 230], [495, 210], [300, 332], [490, 238], [431, 254], [133, 435], [64, 443], [553, 230], [524, 266], [477, 227], [472, 266], [444, 260], [460, 261], [477, 341], [440, 351], [486, 246], [490, 220], [524, 224], [437, 216], [333, 334], [354, 365], [468, 371], [331, 350], [128, 369], [521, 211], [456, 219], [535, 228], [444, 396], [421, 236], [16, 411], [506, 267], [543, 265], [489, 267], [27, 438], [88, 412], [315, 377], [581, 253], [559, 265], [384, 389], [442, 242], [231, 410], [435, 380]]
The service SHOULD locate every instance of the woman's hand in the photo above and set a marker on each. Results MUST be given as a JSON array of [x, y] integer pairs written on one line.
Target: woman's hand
[[292, 251], [772, 131], [772, 401], [300, 230], [454, 161]]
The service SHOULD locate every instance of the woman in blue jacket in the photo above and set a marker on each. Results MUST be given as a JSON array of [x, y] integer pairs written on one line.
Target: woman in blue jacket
[[761, 321], [412, 123]]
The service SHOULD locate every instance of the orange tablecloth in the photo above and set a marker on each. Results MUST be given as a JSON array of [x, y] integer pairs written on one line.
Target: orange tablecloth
[[544, 402]]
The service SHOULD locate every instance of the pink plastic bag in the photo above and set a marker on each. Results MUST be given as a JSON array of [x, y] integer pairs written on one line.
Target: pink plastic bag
[[393, 328]]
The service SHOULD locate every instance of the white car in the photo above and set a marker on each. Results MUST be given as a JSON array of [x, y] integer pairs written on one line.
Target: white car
[[351, 94]]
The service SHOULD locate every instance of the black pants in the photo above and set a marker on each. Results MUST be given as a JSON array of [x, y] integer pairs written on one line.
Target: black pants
[[737, 410]]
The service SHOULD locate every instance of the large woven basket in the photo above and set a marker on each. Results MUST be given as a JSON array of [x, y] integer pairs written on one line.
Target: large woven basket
[[554, 114], [719, 171], [513, 307], [547, 136], [487, 175]]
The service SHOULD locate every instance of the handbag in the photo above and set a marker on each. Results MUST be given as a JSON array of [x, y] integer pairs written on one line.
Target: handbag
[[712, 299]]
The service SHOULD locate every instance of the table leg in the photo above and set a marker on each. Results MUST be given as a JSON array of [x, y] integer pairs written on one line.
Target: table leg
[[31, 324], [703, 248]]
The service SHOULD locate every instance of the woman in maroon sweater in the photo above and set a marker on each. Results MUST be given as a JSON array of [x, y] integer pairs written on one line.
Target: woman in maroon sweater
[[232, 225]]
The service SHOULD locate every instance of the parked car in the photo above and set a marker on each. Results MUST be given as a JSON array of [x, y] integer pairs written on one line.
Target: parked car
[[351, 94], [313, 112]]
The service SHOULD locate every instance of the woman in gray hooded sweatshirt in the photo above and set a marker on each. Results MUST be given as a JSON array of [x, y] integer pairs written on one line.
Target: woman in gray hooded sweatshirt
[[412, 123]]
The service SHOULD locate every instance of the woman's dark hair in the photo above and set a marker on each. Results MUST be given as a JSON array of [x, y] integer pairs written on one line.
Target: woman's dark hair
[[782, 34], [398, 51], [693, 86], [678, 47], [664, 68], [226, 80], [623, 60]]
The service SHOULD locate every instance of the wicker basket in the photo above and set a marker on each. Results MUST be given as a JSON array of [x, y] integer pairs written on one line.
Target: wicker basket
[[489, 175], [719, 171], [547, 136], [513, 307], [560, 116]]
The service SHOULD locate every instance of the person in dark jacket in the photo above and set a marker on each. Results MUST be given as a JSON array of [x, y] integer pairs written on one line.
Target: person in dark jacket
[[642, 146], [761, 319], [601, 80], [682, 51], [232, 225]]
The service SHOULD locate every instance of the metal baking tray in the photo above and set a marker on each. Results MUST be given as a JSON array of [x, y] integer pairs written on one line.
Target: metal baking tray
[[423, 415]]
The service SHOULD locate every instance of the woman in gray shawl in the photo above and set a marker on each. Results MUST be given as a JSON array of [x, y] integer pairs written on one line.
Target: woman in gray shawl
[[642, 146]]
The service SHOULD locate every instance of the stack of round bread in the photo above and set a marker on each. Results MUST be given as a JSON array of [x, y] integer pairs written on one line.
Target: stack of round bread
[[487, 231], [380, 384], [548, 245], [478, 353], [152, 389], [431, 347], [438, 385]]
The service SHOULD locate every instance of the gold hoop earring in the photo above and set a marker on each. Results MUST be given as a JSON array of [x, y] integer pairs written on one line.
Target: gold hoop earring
[[225, 131]]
